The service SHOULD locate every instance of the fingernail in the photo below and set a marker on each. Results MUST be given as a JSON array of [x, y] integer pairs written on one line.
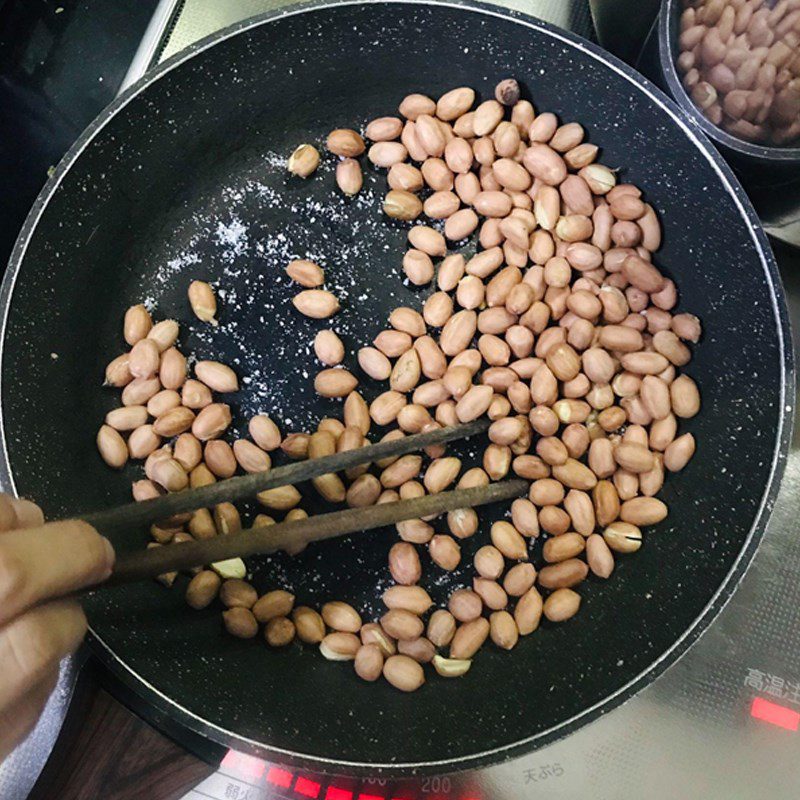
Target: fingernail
[[111, 556]]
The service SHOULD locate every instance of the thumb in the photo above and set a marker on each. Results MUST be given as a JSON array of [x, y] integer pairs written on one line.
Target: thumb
[[50, 561]]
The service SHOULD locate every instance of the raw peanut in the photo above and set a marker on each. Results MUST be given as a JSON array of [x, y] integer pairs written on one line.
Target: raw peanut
[[240, 622], [581, 156], [282, 498], [403, 673], [345, 143], [404, 469], [454, 103], [650, 482], [368, 662], [599, 178], [662, 432], [137, 324], [429, 135], [316, 303], [469, 638], [203, 301], [505, 431], [561, 605], [474, 403], [339, 646], [277, 603], [623, 537], [163, 401], [634, 457], [202, 589], [511, 175], [497, 461], [485, 263], [164, 334], [471, 292], [227, 519], [462, 522], [679, 452], [349, 177], [671, 347], [387, 154], [112, 447], [574, 228], [402, 624], [265, 432], [451, 271], [444, 552], [687, 327], [418, 267], [545, 164], [219, 458], [384, 129], [374, 363], [142, 441], [642, 274], [626, 483], [295, 445], [503, 630], [560, 548], [644, 363], [341, 617], [441, 628], [144, 358], [599, 557], [684, 396], [451, 667], [413, 418], [218, 377], [427, 240], [441, 473], [364, 491], [404, 177], [238, 594], [144, 490], [546, 207], [306, 273], [546, 492], [372, 633], [404, 564], [328, 348], [407, 321], [519, 579], [201, 475], [117, 372], [127, 418], [195, 395], [528, 612], [495, 320], [508, 541], [460, 224], [410, 598], [173, 422], [336, 382], [308, 624], [489, 562], [563, 574], [524, 517], [167, 472], [563, 361], [574, 475], [552, 451], [212, 421], [303, 161], [465, 605], [492, 594], [421, 649], [641, 511], [492, 204]]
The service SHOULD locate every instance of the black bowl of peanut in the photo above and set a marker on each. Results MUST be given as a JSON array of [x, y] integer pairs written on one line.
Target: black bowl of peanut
[[734, 67], [358, 221]]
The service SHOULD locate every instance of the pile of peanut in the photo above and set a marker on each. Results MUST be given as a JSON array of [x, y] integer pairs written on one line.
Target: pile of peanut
[[559, 329], [740, 61]]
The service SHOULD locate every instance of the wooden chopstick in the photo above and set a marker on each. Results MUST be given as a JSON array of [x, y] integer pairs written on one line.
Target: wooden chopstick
[[159, 560], [135, 515]]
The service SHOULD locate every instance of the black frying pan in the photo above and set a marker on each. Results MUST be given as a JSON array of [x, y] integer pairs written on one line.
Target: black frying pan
[[177, 180]]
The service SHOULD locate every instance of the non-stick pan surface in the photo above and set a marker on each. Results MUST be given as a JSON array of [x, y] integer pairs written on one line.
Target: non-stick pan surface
[[183, 179]]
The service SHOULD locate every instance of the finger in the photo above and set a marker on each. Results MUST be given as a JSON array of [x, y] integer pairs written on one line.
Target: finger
[[19, 720], [8, 515], [29, 515], [49, 561], [34, 643]]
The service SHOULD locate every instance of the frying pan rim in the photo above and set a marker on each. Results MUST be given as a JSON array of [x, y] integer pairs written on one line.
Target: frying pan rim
[[149, 693]]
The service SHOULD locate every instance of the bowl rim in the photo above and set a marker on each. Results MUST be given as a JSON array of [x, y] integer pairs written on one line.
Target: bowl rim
[[668, 15]]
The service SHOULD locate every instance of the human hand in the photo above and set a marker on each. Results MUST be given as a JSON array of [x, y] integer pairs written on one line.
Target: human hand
[[38, 565]]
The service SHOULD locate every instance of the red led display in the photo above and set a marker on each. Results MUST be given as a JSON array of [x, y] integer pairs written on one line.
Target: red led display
[[370, 797], [334, 793], [307, 788], [777, 715], [279, 777]]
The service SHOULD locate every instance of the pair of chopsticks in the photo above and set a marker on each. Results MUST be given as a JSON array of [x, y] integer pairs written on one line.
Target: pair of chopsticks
[[288, 535]]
